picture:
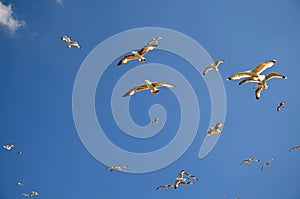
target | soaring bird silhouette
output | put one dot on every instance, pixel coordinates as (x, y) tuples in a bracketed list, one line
[(213, 66), (70, 43), (137, 54)]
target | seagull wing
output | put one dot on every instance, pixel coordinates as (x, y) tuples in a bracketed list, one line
[(145, 49), (74, 43), (239, 75), (210, 67), (248, 79), (159, 84), (275, 75), (218, 62), (126, 58), (263, 66), (136, 89), (258, 91), (65, 38), (218, 125)]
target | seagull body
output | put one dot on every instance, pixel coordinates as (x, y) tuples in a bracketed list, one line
[(154, 121), (213, 66), (255, 72), (268, 163), (70, 43), (295, 148), (179, 179), (249, 161), (214, 130), (9, 147), (19, 152), (263, 84), (154, 40), (280, 106), (20, 184), (152, 86), (137, 54), (119, 168), (166, 187)]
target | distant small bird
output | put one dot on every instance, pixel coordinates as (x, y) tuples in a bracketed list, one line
[(70, 43), (214, 130), (19, 152), (119, 168), (255, 73), (9, 147), (137, 54), (295, 148), (249, 161), (33, 193), (166, 187), (190, 176), (213, 66), (280, 106), (152, 86), (154, 121), (154, 40), (268, 163), (186, 183), (20, 184)]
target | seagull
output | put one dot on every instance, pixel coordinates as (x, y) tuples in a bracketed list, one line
[(249, 161), (166, 187), (152, 86), (69, 42), (119, 168), (263, 79), (213, 66), (186, 183), (20, 184), (214, 130), (179, 179), (137, 54), (190, 176), (154, 40), (255, 73), (19, 152), (9, 147), (154, 121), (33, 193), (295, 148), (268, 163), (280, 106)]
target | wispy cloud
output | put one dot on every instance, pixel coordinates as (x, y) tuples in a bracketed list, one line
[(7, 20), (59, 2)]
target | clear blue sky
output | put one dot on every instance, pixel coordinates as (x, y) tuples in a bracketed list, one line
[(38, 73)]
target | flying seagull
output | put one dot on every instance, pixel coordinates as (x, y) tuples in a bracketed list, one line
[(214, 130), (280, 106), (154, 40), (70, 43), (119, 168), (9, 147), (154, 121), (295, 148), (33, 193), (263, 84), (19, 152), (190, 176), (166, 187), (263, 79), (213, 66), (268, 163), (137, 54), (20, 184), (179, 179), (152, 86), (255, 73), (249, 161)]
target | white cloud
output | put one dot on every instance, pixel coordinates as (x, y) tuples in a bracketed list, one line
[(59, 2), (7, 20)]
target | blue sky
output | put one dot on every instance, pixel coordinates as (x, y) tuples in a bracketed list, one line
[(38, 73)]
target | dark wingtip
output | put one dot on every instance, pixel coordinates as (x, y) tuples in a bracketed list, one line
[(229, 78), (274, 61), (120, 63)]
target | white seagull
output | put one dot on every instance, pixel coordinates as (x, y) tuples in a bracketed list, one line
[(268, 163), (152, 86), (214, 130), (166, 187), (70, 43), (9, 147), (154, 121), (137, 54), (119, 168), (250, 160), (154, 40), (179, 179), (264, 79), (255, 73), (295, 148), (280, 106), (213, 66), (33, 193), (20, 184)]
